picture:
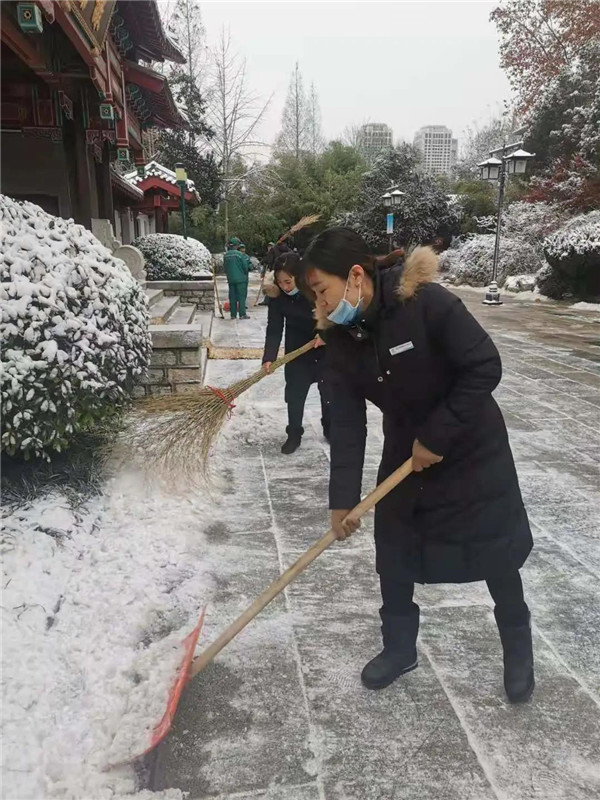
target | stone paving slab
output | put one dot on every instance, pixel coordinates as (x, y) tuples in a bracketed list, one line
[(282, 715), (549, 748)]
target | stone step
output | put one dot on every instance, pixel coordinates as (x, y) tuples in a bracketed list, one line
[(161, 312), (154, 295), (176, 336), (205, 318), (184, 314)]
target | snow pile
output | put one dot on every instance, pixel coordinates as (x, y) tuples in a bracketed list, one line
[(573, 255), (74, 329), (97, 601), (471, 261), (172, 258), (520, 283)]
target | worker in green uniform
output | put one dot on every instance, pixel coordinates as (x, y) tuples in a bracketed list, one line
[(236, 270), (248, 261)]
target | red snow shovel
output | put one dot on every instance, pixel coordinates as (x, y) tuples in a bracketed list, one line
[(191, 668)]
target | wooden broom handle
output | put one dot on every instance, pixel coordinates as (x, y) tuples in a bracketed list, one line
[(262, 281), (292, 572)]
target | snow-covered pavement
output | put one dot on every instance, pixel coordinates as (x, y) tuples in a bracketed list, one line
[(282, 715), (97, 597)]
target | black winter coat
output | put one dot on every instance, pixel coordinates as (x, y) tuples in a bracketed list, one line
[(424, 360), (296, 315)]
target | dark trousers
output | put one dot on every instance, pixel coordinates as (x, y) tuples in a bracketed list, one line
[(507, 593), (238, 292), (298, 380)]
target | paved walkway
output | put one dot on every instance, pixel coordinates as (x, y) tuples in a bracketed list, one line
[(282, 715)]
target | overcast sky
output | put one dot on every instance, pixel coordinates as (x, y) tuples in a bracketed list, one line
[(404, 63)]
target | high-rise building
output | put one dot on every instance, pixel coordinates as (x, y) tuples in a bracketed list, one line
[(375, 137), (438, 148)]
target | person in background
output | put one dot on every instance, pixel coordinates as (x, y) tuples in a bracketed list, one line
[(248, 262), (273, 253), (247, 259), (399, 339), (236, 270), (290, 309)]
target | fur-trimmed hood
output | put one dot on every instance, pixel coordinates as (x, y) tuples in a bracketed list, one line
[(420, 267)]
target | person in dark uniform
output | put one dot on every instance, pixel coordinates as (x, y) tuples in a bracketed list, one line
[(407, 344), (290, 309)]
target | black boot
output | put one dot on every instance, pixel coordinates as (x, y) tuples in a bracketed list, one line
[(399, 654), (519, 679), (293, 441)]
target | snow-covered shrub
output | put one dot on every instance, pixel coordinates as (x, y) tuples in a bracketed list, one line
[(573, 254), (74, 330), (471, 262), (527, 222), (170, 257)]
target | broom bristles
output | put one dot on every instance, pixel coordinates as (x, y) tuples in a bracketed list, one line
[(178, 431), (302, 223)]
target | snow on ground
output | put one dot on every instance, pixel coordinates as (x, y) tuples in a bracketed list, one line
[(587, 306), (97, 601)]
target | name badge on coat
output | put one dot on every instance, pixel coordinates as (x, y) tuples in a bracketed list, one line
[(401, 348)]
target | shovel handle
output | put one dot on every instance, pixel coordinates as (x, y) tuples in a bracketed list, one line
[(278, 585)]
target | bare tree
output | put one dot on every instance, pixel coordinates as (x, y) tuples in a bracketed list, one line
[(186, 27), (294, 135), (234, 112), (353, 135), (480, 138), (316, 142)]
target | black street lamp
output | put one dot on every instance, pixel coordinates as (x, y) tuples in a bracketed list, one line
[(391, 199), (181, 179), (511, 162)]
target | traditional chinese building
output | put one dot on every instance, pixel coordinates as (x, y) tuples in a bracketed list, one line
[(161, 194), (78, 91)]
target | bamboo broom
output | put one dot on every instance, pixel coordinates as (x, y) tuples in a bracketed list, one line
[(302, 223), (178, 431)]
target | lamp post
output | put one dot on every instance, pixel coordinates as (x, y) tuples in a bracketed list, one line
[(513, 161), (181, 178), (391, 199)]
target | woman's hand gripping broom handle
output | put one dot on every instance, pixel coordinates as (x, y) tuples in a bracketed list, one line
[(299, 566)]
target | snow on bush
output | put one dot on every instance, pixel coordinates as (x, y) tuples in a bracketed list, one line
[(527, 222), (573, 255), (170, 257), (74, 330), (471, 261)]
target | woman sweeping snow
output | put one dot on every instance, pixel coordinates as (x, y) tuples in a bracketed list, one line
[(409, 346), (290, 309)]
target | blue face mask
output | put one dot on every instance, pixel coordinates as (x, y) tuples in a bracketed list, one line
[(345, 313), (292, 292)]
